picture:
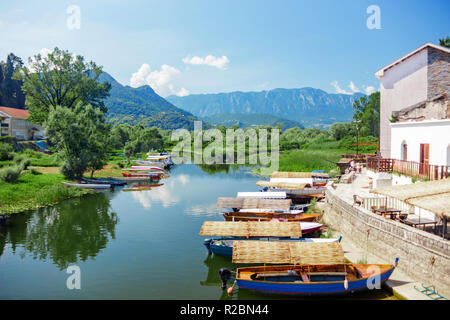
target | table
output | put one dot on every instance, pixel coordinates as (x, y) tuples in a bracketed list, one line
[(392, 212), (416, 221)]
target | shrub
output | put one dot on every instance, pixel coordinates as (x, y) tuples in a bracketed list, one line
[(6, 151), (11, 174), (22, 161), (35, 172)]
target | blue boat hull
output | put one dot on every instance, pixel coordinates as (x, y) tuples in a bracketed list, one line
[(310, 288)]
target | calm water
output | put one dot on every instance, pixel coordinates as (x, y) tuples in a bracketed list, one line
[(128, 245)]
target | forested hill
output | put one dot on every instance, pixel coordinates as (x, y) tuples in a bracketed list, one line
[(248, 120), (309, 106), (143, 106)]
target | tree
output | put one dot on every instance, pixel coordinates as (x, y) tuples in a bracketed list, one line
[(445, 42), (81, 138), (60, 79), (367, 111), (11, 94)]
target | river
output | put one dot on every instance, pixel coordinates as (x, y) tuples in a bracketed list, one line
[(127, 245)]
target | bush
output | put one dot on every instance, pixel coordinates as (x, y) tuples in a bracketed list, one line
[(11, 174), (22, 161), (6, 151), (35, 172)]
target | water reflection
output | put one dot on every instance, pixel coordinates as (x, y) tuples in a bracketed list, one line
[(165, 194), (75, 230)]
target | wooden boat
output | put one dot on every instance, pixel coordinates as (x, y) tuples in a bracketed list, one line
[(313, 279), (87, 185), (144, 168), (149, 175), (267, 216), (224, 246), (104, 181), (312, 269)]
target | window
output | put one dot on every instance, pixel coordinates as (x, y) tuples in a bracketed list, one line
[(404, 151)]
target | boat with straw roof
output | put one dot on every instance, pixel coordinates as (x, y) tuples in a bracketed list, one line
[(302, 269)]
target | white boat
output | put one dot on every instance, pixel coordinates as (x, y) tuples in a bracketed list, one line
[(262, 195), (88, 185)]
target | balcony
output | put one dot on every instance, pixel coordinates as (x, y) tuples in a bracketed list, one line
[(411, 169)]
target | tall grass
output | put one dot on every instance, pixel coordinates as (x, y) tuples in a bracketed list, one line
[(309, 160)]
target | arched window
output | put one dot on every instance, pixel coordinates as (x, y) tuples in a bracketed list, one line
[(404, 152), (448, 155)]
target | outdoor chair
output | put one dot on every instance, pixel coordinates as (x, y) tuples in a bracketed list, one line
[(356, 200)]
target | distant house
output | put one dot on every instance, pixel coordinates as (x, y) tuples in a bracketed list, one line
[(14, 123), (415, 106)]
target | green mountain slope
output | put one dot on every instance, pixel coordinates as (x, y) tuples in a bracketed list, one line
[(143, 106)]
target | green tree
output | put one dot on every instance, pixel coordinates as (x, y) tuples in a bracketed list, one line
[(367, 112), (445, 42), (81, 138), (11, 94), (60, 79)]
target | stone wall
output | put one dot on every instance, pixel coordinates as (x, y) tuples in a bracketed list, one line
[(424, 257), (438, 73)]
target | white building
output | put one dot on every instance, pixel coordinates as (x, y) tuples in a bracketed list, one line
[(415, 106)]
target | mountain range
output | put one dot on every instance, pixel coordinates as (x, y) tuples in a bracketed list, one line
[(249, 120), (305, 107), (311, 107), (143, 106)]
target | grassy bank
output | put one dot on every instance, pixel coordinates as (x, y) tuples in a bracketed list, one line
[(305, 160), (33, 191)]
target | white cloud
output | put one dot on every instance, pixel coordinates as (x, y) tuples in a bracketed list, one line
[(209, 60), (368, 90), (159, 80), (335, 84), (353, 87)]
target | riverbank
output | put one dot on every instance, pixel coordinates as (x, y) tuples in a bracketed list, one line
[(304, 160), (35, 190)]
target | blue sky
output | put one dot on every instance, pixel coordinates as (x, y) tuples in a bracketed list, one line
[(252, 45)]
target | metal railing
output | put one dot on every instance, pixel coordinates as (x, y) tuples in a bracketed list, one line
[(409, 168)]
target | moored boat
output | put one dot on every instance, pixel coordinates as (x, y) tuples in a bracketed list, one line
[(310, 269), (267, 216), (224, 246), (87, 185), (144, 168), (313, 279), (104, 181)]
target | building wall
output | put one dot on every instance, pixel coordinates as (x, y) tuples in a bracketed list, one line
[(438, 73), (424, 257), (434, 132), (401, 86)]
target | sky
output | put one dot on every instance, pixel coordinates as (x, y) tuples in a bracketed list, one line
[(195, 46)]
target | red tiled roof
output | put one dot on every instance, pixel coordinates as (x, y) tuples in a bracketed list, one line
[(15, 113)]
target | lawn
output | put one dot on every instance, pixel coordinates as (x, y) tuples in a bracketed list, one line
[(34, 191)]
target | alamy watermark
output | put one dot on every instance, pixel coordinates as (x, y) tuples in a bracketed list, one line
[(73, 21), (374, 20), (234, 146), (74, 280)]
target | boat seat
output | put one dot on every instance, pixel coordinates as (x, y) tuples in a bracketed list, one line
[(328, 273)]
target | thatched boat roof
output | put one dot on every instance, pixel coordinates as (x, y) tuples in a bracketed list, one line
[(283, 185), (281, 174), (437, 203), (287, 252), (251, 229), (433, 196), (251, 203)]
